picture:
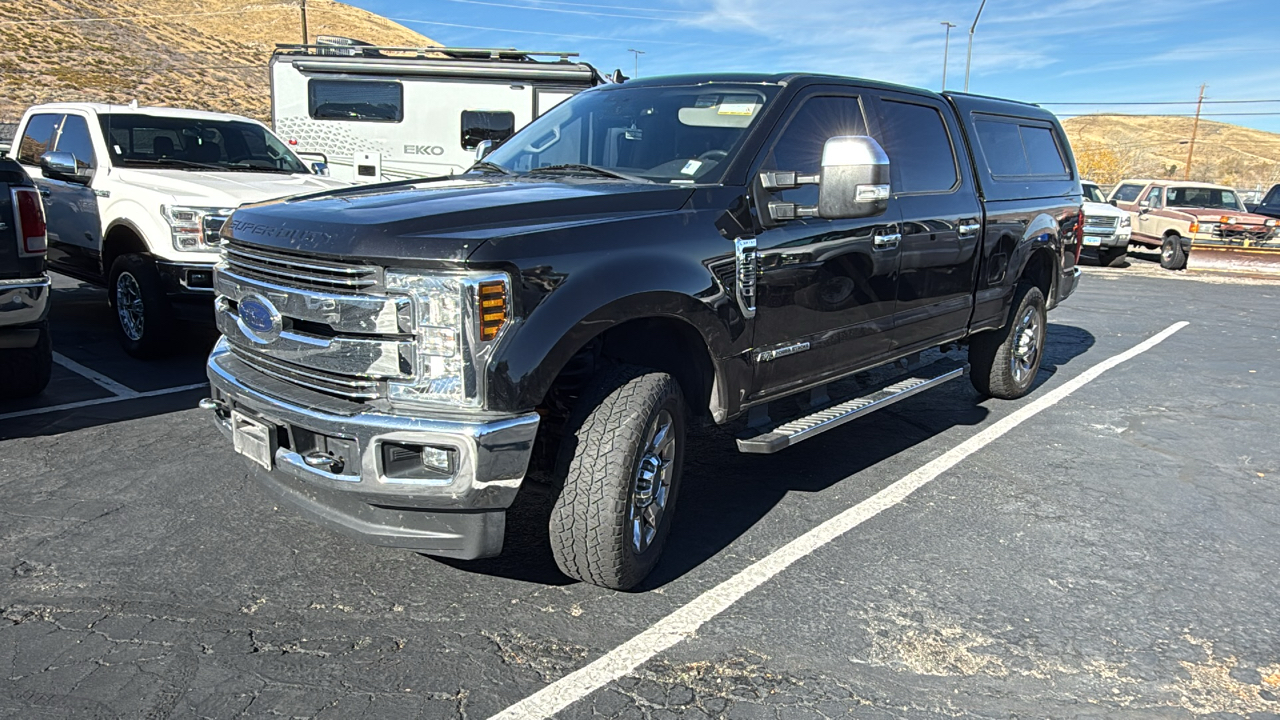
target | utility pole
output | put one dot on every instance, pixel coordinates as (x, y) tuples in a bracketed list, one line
[(969, 56), (946, 47), (1195, 128), (638, 53), (305, 35)]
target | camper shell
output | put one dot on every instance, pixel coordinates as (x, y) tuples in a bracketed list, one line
[(374, 113)]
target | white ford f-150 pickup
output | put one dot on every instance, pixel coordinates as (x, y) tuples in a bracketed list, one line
[(136, 198)]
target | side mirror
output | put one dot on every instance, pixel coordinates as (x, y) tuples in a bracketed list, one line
[(1113, 203), (64, 166), (320, 168), (1144, 206), (484, 147), (853, 182)]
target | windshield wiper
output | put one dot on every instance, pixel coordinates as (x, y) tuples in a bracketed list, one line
[(490, 166), (592, 169)]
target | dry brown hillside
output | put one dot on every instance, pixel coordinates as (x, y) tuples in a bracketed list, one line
[(207, 54), (1111, 147)]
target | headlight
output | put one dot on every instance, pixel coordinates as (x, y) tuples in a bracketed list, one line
[(1126, 221), (195, 229), (457, 320)]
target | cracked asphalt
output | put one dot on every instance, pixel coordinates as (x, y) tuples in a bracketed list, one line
[(1117, 555)]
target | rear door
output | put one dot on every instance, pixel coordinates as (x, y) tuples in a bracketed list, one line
[(941, 219), (826, 288)]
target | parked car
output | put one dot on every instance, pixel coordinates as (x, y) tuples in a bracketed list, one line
[(26, 353), (397, 359), (1107, 228), (1172, 214), (1270, 203), (136, 196)]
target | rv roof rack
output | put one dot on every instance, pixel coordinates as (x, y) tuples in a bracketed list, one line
[(391, 52)]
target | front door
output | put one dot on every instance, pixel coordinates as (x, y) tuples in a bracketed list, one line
[(1148, 219), (71, 209), (941, 220), (826, 288)]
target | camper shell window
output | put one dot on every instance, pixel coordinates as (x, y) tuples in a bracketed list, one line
[(480, 125), (359, 100)]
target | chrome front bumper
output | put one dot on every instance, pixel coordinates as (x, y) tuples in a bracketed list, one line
[(461, 516), (24, 301)]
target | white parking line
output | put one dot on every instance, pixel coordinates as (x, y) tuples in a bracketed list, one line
[(684, 622), (98, 378), (101, 401)]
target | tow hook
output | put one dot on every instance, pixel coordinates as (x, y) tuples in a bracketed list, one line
[(327, 463), (211, 404)]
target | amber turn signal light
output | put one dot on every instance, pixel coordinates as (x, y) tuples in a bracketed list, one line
[(493, 308)]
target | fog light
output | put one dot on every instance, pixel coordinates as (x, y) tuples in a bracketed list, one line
[(438, 459), (418, 463)]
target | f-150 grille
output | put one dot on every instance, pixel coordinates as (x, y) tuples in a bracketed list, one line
[(1100, 222), (296, 270), (345, 386)]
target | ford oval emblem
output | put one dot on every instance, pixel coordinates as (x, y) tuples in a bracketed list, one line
[(260, 318)]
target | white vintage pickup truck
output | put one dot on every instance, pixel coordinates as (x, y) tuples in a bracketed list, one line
[(136, 197)]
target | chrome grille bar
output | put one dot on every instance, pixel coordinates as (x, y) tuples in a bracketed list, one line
[(1101, 222), (299, 271), (329, 383)]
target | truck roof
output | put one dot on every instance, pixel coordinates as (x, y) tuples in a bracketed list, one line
[(1187, 183), (107, 109)]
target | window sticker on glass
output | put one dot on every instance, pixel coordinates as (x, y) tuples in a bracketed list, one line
[(691, 167), (736, 108)]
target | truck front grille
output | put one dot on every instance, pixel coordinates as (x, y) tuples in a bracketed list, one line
[(1100, 222), (344, 386), (300, 271)]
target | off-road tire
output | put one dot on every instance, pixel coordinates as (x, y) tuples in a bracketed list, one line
[(156, 336), (1172, 256), (25, 372), (1113, 257), (591, 538), (991, 353)]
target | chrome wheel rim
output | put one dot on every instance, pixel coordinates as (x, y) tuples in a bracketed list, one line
[(651, 485), (1167, 253), (1027, 336), (129, 306)]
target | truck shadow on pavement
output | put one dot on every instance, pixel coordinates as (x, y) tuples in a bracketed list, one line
[(726, 494)]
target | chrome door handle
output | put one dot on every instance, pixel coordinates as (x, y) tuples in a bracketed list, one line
[(968, 229), (887, 242)]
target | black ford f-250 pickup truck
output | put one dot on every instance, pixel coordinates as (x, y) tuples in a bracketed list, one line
[(26, 355), (398, 358)]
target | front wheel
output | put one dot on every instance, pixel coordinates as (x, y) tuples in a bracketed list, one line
[(1172, 256), (623, 455), (144, 316), (1003, 363)]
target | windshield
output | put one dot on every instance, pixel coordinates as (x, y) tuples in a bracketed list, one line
[(659, 134), (1092, 193), (1205, 198), (196, 144)]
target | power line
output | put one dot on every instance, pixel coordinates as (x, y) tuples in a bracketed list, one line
[(50, 21), (1164, 102), (560, 10), (1180, 115)]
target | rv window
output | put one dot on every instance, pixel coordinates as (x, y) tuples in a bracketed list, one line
[(479, 125), (363, 100)]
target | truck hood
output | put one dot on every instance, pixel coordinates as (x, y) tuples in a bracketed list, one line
[(223, 189), (442, 218), (1242, 218), (1095, 209)]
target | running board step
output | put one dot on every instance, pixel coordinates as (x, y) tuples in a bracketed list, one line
[(793, 431)]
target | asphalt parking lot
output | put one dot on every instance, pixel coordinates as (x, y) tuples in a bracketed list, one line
[(1114, 554)]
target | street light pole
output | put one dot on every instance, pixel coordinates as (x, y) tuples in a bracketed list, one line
[(638, 53), (969, 56), (946, 47)]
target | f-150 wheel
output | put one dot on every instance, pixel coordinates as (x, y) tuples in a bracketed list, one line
[(1003, 363), (24, 372), (623, 457), (144, 316), (1172, 256)]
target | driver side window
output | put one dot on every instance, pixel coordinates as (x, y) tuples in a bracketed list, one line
[(799, 148), (1155, 198)]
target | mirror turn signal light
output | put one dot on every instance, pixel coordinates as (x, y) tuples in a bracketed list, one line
[(493, 308)]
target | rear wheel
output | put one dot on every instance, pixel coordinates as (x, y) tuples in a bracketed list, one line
[(1172, 256), (144, 316), (25, 372), (1113, 257), (1003, 363), (622, 460)]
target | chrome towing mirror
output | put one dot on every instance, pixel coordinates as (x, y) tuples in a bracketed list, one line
[(853, 182)]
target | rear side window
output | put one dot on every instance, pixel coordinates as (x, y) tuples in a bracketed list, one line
[(37, 138), (360, 100), (75, 139), (1127, 193), (480, 125), (1021, 149), (917, 143)]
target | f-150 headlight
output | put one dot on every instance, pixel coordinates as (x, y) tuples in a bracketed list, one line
[(1126, 221), (457, 319), (195, 229)]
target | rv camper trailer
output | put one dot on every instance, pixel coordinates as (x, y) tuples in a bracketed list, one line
[(384, 113)]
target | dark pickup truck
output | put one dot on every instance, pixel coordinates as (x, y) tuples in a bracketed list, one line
[(26, 355), (731, 249)]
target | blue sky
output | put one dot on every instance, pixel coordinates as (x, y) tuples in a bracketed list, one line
[(1047, 51)]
